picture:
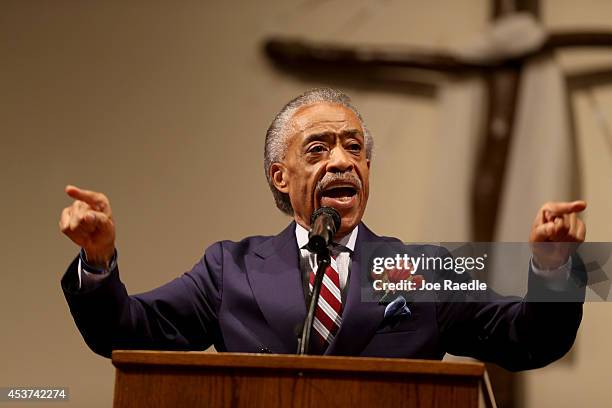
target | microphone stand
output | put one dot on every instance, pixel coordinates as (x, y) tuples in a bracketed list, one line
[(323, 261)]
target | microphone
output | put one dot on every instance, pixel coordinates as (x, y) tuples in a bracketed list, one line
[(324, 223)]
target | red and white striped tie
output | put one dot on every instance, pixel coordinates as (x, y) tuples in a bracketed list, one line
[(328, 314)]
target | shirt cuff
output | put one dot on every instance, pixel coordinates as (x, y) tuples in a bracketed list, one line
[(89, 275), (556, 279)]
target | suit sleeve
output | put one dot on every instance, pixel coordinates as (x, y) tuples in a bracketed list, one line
[(180, 315), (515, 333)]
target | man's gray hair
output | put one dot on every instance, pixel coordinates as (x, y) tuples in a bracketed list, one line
[(277, 136)]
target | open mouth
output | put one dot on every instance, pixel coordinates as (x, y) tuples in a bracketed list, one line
[(341, 196)]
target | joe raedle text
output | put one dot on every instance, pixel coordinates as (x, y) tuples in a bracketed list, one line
[(414, 285)]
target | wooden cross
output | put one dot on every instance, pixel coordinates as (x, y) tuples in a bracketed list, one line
[(501, 78)]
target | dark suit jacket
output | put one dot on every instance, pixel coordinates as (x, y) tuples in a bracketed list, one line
[(247, 296)]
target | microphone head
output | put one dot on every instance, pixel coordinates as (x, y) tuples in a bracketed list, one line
[(329, 211), (324, 223)]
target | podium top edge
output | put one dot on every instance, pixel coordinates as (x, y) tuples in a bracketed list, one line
[(206, 360)]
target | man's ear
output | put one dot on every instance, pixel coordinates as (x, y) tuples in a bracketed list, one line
[(279, 177)]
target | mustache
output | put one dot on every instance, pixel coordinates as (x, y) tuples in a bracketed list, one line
[(330, 178)]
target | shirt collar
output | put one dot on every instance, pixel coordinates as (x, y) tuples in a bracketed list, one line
[(348, 241)]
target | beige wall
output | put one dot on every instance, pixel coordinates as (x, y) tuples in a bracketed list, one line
[(163, 106)]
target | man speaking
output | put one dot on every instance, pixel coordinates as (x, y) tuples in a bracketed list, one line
[(250, 296)]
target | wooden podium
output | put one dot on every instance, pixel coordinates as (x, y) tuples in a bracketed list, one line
[(198, 379)]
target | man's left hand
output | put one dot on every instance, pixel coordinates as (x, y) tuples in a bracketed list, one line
[(557, 222)]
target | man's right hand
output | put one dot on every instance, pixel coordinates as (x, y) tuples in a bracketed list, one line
[(88, 222)]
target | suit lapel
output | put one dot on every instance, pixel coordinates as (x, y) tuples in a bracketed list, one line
[(359, 319), (275, 278)]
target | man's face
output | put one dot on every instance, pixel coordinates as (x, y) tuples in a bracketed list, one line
[(325, 165)]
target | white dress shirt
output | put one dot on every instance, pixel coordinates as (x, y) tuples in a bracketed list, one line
[(308, 260)]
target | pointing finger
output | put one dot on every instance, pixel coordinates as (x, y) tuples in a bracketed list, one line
[(553, 209), (97, 201), (88, 196)]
